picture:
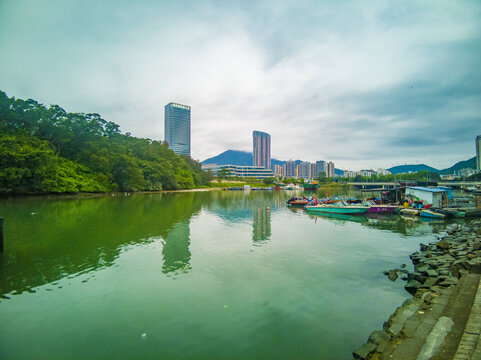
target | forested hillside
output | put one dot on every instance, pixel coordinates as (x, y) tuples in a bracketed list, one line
[(47, 150)]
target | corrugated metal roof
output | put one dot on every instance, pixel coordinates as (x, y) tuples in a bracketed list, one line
[(422, 188)]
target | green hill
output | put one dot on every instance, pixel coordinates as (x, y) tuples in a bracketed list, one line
[(47, 150), (470, 163)]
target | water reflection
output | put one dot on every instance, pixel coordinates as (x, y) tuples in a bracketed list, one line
[(48, 239), (390, 222), (261, 225), (176, 251)]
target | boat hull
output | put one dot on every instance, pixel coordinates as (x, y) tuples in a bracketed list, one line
[(432, 214), (337, 209), (298, 203), (381, 209)]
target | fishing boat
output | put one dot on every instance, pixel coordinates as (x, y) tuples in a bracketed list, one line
[(338, 208), (311, 186)]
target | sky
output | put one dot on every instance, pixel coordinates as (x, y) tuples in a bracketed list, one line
[(365, 84)]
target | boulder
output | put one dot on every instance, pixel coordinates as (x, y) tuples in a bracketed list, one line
[(448, 282), (412, 286), (430, 282), (444, 245), (423, 247), (431, 273), (392, 275), (474, 266), (454, 271), (364, 351), (377, 336)]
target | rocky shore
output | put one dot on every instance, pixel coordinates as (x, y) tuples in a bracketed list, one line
[(443, 318)]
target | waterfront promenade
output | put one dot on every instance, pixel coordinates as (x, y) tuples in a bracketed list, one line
[(443, 319)]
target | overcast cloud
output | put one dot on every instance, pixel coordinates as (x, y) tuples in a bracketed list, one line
[(361, 83)]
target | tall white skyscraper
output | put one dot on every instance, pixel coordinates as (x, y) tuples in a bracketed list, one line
[(177, 128)]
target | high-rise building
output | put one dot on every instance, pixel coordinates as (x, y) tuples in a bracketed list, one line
[(177, 128), (303, 170), (261, 153), (330, 169), (313, 171), (478, 152), (290, 169), (279, 171), (320, 167)]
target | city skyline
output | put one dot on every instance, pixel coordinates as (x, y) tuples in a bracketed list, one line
[(367, 84)]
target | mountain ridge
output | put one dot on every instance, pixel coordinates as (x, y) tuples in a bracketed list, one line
[(244, 158)]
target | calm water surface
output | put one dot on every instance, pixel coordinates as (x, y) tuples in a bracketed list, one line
[(211, 275)]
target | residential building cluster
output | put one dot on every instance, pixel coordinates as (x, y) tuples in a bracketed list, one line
[(366, 173), (305, 169)]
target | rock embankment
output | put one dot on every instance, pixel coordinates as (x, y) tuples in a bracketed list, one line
[(444, 285)]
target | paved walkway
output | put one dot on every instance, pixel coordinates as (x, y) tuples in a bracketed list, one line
[(440, 324)]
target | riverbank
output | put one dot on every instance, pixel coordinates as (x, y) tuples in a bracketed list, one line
[(442, 319)]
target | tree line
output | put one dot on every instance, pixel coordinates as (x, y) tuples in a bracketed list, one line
[(48, 150)]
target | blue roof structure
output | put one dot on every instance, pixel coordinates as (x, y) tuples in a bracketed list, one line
[(433, 190)]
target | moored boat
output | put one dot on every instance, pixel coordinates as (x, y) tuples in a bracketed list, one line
[(432, 214), (375, 208), (337, 209), (311, 186), (297, 202)]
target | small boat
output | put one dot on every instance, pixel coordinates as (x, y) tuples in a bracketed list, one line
[(342, 217), (375, 208), (432, 214), (293, 187), (410, 211), (340, 208), (297, 202)]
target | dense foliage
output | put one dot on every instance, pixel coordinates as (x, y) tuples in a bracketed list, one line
[(47, 150)]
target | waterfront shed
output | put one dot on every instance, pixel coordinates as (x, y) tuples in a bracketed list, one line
[(431, 196)]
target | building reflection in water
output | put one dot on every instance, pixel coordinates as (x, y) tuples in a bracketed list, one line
[(261, 227), (176, 253)]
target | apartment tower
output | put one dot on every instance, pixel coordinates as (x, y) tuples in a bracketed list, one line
[(261, 153)]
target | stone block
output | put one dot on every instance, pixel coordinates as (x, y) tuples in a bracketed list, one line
[(364, 351), (377, 336)]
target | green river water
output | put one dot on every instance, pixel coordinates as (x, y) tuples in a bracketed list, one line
[(199, 275)]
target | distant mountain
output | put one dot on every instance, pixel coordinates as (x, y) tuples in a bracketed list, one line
[(236, 157), (399, 169), (231, 157), (470, 163), (244, 158)]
